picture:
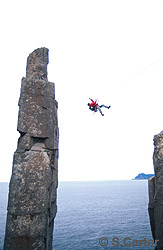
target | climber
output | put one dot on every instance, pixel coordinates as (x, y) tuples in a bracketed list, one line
[(94, 106)]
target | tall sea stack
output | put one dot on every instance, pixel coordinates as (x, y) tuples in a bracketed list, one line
[(155, 188), (32, 190)]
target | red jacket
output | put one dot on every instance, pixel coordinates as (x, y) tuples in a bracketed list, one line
[(93, 103)]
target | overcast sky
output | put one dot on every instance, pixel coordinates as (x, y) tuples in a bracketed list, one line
[(110, 50)]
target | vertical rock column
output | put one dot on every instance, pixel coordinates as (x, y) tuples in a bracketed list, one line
[(155, 188), (32, 190)]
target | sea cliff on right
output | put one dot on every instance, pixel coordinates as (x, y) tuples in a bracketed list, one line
[(155, 190)]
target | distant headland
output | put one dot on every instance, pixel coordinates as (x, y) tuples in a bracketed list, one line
[(143, 176)]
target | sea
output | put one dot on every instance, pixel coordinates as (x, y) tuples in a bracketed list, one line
[(97, 215)]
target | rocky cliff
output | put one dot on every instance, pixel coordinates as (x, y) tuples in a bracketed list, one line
[(32, 190), (155, 187)]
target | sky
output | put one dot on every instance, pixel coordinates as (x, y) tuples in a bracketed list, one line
[(109, 50)]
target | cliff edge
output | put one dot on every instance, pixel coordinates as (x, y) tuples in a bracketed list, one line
[(34, 180), (155, 188)]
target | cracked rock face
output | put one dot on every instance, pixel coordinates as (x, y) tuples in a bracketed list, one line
[(33, 185), (155, 188)]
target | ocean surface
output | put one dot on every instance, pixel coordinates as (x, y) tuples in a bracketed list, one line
[(97, 215)]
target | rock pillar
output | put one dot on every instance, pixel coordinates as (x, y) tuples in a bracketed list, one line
[(32, 190), (155, 188)]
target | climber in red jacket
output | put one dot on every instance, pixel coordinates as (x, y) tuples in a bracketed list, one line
[(94, 106)]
